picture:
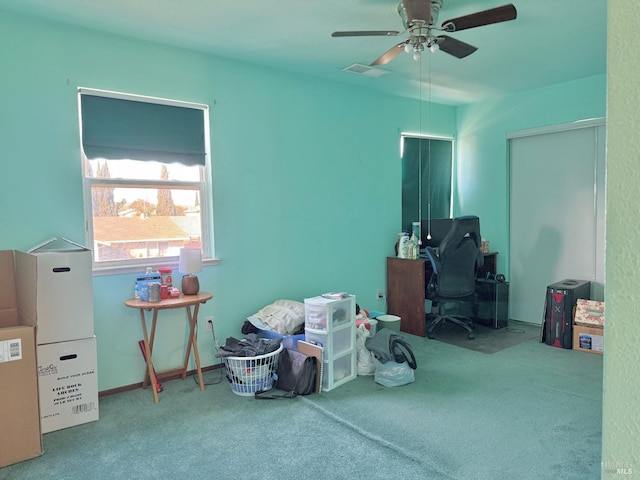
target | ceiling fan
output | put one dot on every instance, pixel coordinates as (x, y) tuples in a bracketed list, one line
[(419, 18)]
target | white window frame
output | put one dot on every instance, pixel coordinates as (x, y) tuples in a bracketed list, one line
[(425, 213), (205, 188)]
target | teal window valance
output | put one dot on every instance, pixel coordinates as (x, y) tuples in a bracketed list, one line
[(117, 129)]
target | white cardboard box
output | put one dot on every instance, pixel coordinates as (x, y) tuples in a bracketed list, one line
[(68, 383), (55, 290)]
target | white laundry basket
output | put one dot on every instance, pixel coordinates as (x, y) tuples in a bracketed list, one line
[(248, 375)]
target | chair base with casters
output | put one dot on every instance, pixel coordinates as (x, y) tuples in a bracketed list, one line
[(442, 317)]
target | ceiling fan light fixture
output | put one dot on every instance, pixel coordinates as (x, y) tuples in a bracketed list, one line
[(434, 47), (418, 48)]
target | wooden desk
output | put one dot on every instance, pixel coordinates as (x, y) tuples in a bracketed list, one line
[(191, 303), (406, 290), (405, 293)]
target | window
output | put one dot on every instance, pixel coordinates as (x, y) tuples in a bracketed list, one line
[(427, 166), (146, 171)]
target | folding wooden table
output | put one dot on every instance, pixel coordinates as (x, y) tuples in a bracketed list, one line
[(191, 303)]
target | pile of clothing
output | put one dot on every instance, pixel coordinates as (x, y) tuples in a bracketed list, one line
[(250, 346)]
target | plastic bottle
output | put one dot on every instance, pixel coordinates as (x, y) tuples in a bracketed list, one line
[(415, 228), (143, 282), (403, 245), (413, 246)]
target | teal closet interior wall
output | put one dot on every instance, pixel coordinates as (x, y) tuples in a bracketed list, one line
[(306, 176), (481, 179)]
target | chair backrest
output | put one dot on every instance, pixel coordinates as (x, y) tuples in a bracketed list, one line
[(459, 257), (438, 228)]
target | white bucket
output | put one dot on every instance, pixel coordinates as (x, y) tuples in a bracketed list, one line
[(391, 322)]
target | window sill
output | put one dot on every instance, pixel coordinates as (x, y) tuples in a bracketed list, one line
[(124, 269)]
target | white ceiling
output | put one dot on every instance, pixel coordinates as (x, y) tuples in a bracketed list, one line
[(551, 41)]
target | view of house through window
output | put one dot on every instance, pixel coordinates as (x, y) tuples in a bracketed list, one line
[(140, 221), (141, 206)]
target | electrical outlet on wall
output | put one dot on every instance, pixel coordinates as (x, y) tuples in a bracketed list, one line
[(209, 327), (380, 294)]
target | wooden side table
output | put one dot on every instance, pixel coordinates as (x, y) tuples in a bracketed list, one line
[(191, 303)]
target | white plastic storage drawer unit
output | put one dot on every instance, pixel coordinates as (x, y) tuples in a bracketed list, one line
[(331, 323), (341, 339)]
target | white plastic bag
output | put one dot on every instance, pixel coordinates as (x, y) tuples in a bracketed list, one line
[(364, 356), (393, 374)]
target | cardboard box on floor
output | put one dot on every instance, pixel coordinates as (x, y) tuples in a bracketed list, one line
[(21, 438), (68, 380), (588, 339), (55, 290)]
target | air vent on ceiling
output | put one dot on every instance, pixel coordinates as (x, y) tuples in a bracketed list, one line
[(366, 70)]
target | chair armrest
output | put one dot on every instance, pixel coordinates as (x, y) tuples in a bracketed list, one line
[(432, 255), (430, 286)]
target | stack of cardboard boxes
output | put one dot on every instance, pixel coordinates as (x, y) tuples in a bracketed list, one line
[(48, 355), (55, 289)]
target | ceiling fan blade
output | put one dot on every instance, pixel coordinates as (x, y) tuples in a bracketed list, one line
[(367, 33), (390, 54), (478, 19), (455, 47)]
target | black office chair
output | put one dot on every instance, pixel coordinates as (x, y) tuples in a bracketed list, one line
[(454, 263)]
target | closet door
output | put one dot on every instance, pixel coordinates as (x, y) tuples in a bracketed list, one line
[(556, 214)]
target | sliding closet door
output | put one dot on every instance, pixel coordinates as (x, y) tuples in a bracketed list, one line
[(556, 214)]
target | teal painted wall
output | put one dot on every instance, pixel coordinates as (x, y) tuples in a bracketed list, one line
[(482, 173), (306, 173), (306, 176)]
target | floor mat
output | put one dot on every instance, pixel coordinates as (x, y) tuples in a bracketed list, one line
[(488, 340)]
